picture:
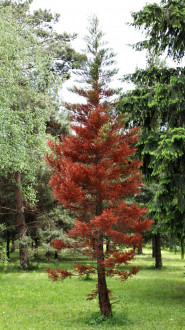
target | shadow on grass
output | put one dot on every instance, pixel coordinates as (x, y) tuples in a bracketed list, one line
[(160, 291), (40, 263)]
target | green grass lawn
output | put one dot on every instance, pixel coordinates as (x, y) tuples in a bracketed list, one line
[(153, 299)]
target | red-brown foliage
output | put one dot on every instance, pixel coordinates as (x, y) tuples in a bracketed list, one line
[(84, 270), (57, 274), (58, 244), (96, 175)]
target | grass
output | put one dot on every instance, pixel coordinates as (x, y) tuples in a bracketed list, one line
[(153, 299)]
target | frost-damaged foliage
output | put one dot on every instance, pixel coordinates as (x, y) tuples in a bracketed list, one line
[(61, 274), (58, 274), (96, 176)]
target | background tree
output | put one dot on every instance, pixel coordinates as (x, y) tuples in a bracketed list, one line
[(163, 25), (164, 99), (42, 22), (143, 109), (46, 219), (22, 121), (29, 77), (95, 175)]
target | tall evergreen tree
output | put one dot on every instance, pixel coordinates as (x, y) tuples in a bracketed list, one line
[(144, 110), (163, 26), (94, 175)]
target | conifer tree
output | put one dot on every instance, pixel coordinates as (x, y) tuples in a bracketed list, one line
[(163, 26), (95, 175), (145, 109)]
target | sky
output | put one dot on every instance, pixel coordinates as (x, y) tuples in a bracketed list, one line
[(113, 16)]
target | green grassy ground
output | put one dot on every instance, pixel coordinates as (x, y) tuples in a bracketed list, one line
[(153, 299)]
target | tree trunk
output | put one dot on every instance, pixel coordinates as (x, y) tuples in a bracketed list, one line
[(48, 256), (107, 245), (103, 294), (153, 247), (140, 250), (8, 244), (13, 246), (158, 257), (56, 255), (171, 242), (182, 247), (21, 224), (36, 245)]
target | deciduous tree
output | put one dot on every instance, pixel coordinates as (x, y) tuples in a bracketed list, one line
[(35, 59)]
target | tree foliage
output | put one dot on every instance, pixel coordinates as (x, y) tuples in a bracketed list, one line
[(42, 22), (164, 27)]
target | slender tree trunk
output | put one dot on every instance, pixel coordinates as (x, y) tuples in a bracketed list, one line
[(107, 245), (56, 255), (158, 257), (48, 256), (36, 245), (36, 240), (182, 247), (13, 246), (153, 247), (8, 244), (21, 224), (140, 250), (171, 243), (103, 294)]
